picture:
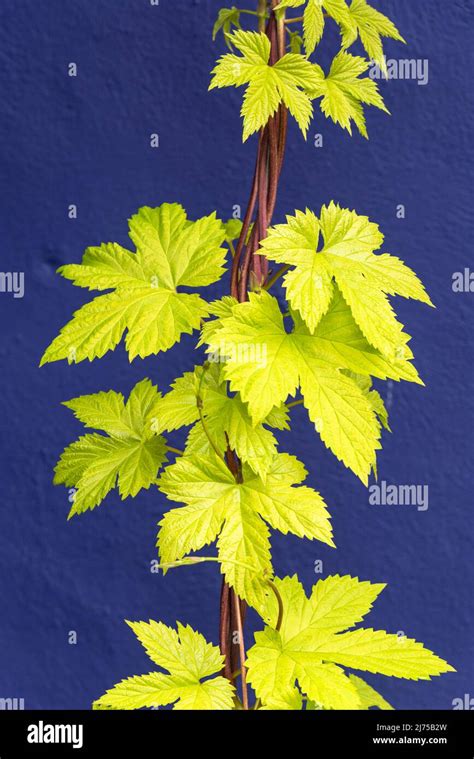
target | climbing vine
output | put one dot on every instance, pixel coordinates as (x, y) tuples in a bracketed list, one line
[(336, 332)]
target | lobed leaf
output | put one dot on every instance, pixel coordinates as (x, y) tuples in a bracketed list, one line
[(130, 456), (237, 514), (171, 252), (308, 649), (188, 658), (342, 413), (287, 81), (345, 260)]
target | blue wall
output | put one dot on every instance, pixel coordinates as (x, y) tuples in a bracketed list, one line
[(85, 141)]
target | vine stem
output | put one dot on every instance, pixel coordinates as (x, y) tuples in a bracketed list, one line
[(262, 14), (295, 20), (206, 431), (279, 599), (224, 627), (188, 561), (243, 669), (294, 403), (279, 621), (298, 19), (234, 284), (250, 269), (276, 276), (171, 449)]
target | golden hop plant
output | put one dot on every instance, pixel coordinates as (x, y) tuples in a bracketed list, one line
[(233, 485)]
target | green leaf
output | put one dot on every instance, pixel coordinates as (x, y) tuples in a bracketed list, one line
[(226, 19), (179, 407), (188, 658), (369, 698), (313, 24), (220, 308), (378, 652), (379, 407), (341, 602), (337, 9), (346, 257), (341, 412), (268, 86), (130, 456), (237, 513), (357, 20), (373, 396), (289, 4), (290, 701), (202, 441), (370, 25), (171, 252), (343, 93), (313, 18), (296, 42), (177, 251), (227, 422), (233, 228), (310, 645)]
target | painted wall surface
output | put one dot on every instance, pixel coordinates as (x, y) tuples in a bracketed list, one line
[(144, 69)]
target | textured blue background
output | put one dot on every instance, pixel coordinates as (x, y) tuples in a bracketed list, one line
[(85, 140)]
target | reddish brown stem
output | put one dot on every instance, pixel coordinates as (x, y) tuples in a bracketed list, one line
[(274, 166), (234, 285), (224, 628), (234, 634), (247, 264), (249, 267), (240, 633), (258, 264)]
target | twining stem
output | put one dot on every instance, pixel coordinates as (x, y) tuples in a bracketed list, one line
[(199, 404), (294, 20), (280, 22), (279, 622), (206, 431), (234, 283), (270, 282), (178, 451), (262, 14), (280, 604), (250, 270), (233, 463), (224, 629), (243, 669), (298, 19), (191, 560), (295, 403)]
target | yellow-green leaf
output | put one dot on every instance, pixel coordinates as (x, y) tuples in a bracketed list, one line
[(237, 513), (188, 658), (145, 304), (130, 456)]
